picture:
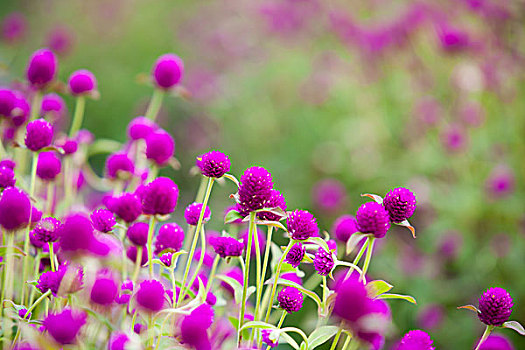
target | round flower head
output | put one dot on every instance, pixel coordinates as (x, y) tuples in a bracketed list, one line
[(160, 197), (495, 306), (70, 146), (416, 340), (226, 246), (39, 134), (14, 27), (8, 163), (76, 235), (213, 164), (118, 341), (131, 253), (323, 262), (48, 166), (54, 105), (296, 254), (351, 302), (7, 102), (60, 40), (82, 82), (138, 233), (127, 206), (65, 325), (290, 299), (103, 220), (276, 201), (193, 212), (344, 227), (7, 177), (194, 327), (262, 241), (46, 230), (104, 290), (329, 195), (21, 111), (42, 68), (255, 190), (119, 165), (167, 259), (167, 71), (160, 147), (266, 338), (15, 209), (496, 342), (372, 218), (454, 138), (170, 237), (430, 317), (400, 204), (49, 280), (150, 296), (301, 225), (139, 328), (140, 128), (501, 182), (23, 312)]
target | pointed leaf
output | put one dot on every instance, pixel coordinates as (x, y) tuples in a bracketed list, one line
[(409, 226), (375, 197), (378, 287), (237, 287), (277, 224), (232, 216), (408, 298), (233, 179), (320, 335), (354, 240), (319, 241), (469, 307), (515, 325)]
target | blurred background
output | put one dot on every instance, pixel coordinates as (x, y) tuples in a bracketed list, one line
[(335, 98)]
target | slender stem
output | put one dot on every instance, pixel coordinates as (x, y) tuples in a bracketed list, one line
[(35, 304), (212, 273), (78, 116), (52, 256), (485, 335), (38, 258), (133, 319), (266, 256), (277, 273), (354, 345), (7, 280), (368, 257), (201, 191), (154, 104), (357, 258), (150, 245), (336, 339), (36, 105), (195, 239), (138, 261), (246, 277), (325, 294), (199, 264), (49, 197), (257, 279), (173, 287), (281, 321), (122, 236)]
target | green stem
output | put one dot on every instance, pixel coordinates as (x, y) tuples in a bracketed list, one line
[(336, 339), (195, 239), (52, 256), (133, 320), (36, 105), (485, 335), (173, 287), (357, 258), (7, 280), (281, 321), (212, 273), (138, 261), (325, 294), (257, 278), (154, 104), (35, 273), (246, 277), (199, 264), (35, 304), (49, 198), (354, 345), (78, 116), (150, 245), (368, 257)]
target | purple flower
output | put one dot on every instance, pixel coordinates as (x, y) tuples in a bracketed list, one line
[(21, 111), (60, 40), (150, 296), (140, 128), (39, 134), (49, 280), (160, 147), (213, 164), (15, 209), (452, 39), (194, 327), (7, 177), (160, 197), (344, 227), (266, 338), (262, 241), (416, 340), (495, 306), (14, 27), (301, 225), (351, 302), (82, 82), (131, 253), (170, 237), (296, 254), (7, 102), (46, 230), (292, 276), (501, 182), (77, 236), (374, 334), (496, 342), (127, 206), (65, 325), (138, 233), (139, 328), (8, 163), (167, 71), (255, 190), (53, 105), (454, 138), (329, 195), (193, 212), (323, 262), (23, 312), (48, 166), (103, 220), (104, 290), (372, 218), (236, 274), (167, 259), (276, 201), (400, 204), (42, 68), (290, 299), (119, 165), (430, 317), (226, 246), (118, 341)]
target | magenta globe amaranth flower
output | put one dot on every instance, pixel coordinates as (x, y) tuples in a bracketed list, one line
[(7, 177), (69, 146), (60, 40), (329, 195), (137, 233), (39, 134), (495, 306), (127, 206), (255, 189), (48, 166), (323, 262), (160, 147), (118, 341), (296, 254), (150, 296), (15, 209), (496, 342), (8, 163), (501, 182), (400, 204), (119, 165), (301, 225), (344, 227), (7, 102), (167, 259), (42, 68), (82, 82), (416, 340), (276, 201), (290, 299), (53, 106), (372, 218), (77, 236), (140, 128), (213, 164), (21, 112), (160, 197), (266, 338), (104, 290), (14, 27), (170, 237), (103, 220), (226, 246), (194, 327), (132, 252), (351, 302), (193, 212), (65, 325), (46, 230), (168, 71)]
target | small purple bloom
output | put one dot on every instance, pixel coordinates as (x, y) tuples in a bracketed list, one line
[(103, 220), (214, 164), (7, 102), (193, 212), (255, 190), (119, 165), (416, 340), (296, 254), (167, 259), (15, 209), (14, 27), (131, 253), (276, 201), (137, 233), (351, 302), (42, 68), (65, 325), (372, 218), (501, 182), (495, 306), (127, 206), (160, 197), (226, 246), (82, 82), (23, 312), (8, 163), (46, 230), (48, 166), (400, 204), (170, 237), (454, 138), (290, 299), (266, 338), (167, 71), (140, 128), (323, 262), (496, 342), (60, 40), (77, 236), (329, 195), (53, 105), (104, 290), (430, 317), (7, 177), (301, 225), (344, 227), (118, 341), (160, 147), (150, 295), (39, 134)]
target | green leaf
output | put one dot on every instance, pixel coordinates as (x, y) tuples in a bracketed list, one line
[(354, 240), (469, 307), (319, 241), (375, 288), (237, 287), (103, 146), (100, 318), (408, 298), (232, 216), (16, 251), (257, 324), (515, 326), (276, 224), (375, 197), (409, 226), (321, 335), (309, 293), (233, 179)]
